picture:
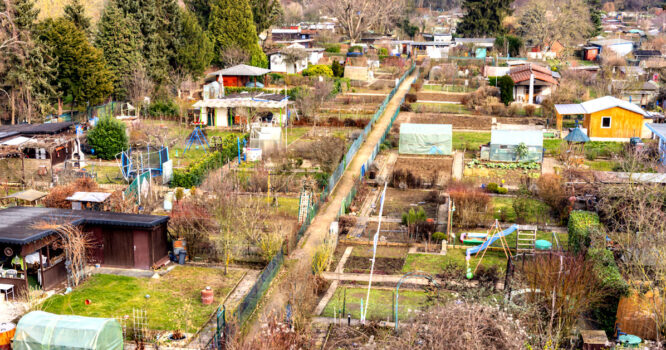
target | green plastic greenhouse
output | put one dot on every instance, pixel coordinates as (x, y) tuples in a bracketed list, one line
[(426, 139), (43, 330)]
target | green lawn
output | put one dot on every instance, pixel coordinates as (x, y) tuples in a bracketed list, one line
[(381, 303), (420, 107), (447, 88), (174, 302), (539, 213), (601, 165), (436, 264), (592, 149), (107, 174), (287, 205), (294, 133), (469, 140)]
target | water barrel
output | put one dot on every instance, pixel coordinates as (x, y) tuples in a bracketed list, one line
[(181, 257), (207, 296), (542, 245)]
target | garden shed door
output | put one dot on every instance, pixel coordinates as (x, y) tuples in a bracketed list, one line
[(141, 250)]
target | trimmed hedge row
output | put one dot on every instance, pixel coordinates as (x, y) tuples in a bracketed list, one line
[(581, 223), (195, 173), (612, 283)]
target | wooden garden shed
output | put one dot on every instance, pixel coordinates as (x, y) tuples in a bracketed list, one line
[(606, 118)]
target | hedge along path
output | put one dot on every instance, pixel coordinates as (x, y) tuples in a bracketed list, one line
[(277, 297)]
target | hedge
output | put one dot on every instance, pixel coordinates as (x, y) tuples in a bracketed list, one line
[(195, 173), (580, 225), (611, 282)]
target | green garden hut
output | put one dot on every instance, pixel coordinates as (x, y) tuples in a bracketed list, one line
[(43, 330), (504, 145), (433, 139)]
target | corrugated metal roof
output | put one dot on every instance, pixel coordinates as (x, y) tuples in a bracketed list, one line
[(571, 108), (516, 137), (96, 197), (15, 141), (608, 42), (606, 102), (426, 129), (598, 104), (658, 129)]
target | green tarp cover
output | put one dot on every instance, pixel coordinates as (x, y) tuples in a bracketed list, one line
[(43, 330), (426, 139)]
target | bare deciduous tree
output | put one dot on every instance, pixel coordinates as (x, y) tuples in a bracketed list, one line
[(234, 55), (138, 86), (357, 16)]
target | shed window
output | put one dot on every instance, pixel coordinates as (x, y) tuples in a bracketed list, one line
[(605, 122)]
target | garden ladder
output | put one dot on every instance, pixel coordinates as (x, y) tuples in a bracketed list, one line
[(526, 238)]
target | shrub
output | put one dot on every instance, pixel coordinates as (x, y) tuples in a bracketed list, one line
[(492, 187), (581, 224), (439, 236), (108, 138), (332, 48), (471, 203), (195, 173), (355, 48), (383, 51), (523, 208), (502, 190), (337, 69), (513, 110), (530, 110), (163, 109), (318, 70), (550, 188), (611, 282)]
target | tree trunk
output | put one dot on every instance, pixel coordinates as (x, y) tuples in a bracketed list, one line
[(13, 107)]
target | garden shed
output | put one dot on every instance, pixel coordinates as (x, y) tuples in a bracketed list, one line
[(43, 330), (426, 139), (505, 145)]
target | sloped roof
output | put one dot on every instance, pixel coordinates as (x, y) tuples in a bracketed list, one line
[(242, 70), (516, 137), (27, 195), (609, 42), (35, 129), (577, 135), (96, 197), (522, 73), (598, 104)]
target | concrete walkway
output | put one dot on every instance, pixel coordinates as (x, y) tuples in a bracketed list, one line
[(277, 297), (458, 166)]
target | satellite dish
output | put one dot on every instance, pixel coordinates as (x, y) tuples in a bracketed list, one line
[(8, 251)]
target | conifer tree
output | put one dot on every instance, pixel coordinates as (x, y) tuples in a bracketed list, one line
[(81, 70), (483, 18), (231, 25), (120, 40), (194, 50), (75, 13)]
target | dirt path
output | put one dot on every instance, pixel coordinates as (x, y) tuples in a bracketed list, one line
[(276, 299), (548, 165), (458, 166), (364, 277)]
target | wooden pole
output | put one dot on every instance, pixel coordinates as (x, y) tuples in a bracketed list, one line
[(41, 267)]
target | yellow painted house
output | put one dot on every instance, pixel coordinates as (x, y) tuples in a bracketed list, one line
[(607, 118)]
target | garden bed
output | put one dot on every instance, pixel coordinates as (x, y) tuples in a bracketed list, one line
[(381, 301), (171, 302), (422, 171), (399, 201), (511, 174)]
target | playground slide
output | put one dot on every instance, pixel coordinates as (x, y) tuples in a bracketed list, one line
[(491, 240)]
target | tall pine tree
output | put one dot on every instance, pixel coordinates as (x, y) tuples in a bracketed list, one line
[(122, 44), (483, 18), (194, 50), (81, 70), (231, 25), (76, 14), (266, 13)]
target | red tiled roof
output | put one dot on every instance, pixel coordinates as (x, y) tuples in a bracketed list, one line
[(523, 72)]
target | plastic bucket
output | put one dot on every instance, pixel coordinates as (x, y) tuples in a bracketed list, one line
[(181, 257)]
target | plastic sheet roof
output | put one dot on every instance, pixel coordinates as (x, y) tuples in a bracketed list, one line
[(96, 197), (598, 104), (577, 135), (242, 70), (27, 195), (658, 129), (516, 137), (245, 100)]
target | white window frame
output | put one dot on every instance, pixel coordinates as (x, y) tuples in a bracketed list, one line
[(610, 119)]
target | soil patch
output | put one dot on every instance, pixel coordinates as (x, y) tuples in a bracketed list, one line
[(399, 201), (460, 121), (440, 96), (383, 266), (421, 172)]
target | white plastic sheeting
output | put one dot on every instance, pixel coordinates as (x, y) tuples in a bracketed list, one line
[(426, 139)]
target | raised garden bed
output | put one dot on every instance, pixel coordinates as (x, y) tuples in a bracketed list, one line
[(422, 171)]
